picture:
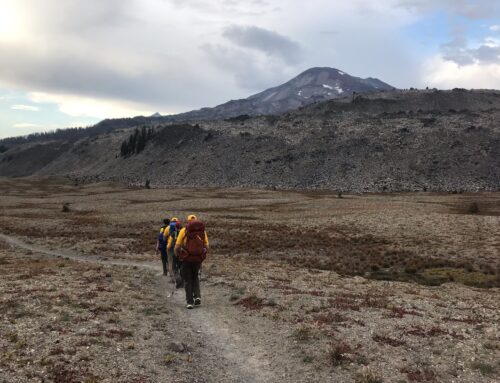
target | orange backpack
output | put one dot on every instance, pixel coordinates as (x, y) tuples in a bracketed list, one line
[(194, 250)]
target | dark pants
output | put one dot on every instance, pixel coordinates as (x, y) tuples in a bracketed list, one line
[(164, 260), (189, 272), (176, 263), (176, 268)]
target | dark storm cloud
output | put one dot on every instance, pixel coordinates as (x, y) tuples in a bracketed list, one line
[(269, 42)]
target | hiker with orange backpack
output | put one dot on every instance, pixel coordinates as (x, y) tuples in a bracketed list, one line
[(192, 248), (175, 264), (161, 245)]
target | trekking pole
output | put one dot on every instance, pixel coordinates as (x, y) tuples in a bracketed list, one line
[(172, 276), (173, 289)]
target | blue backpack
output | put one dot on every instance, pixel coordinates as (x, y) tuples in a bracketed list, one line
[(173, 230)]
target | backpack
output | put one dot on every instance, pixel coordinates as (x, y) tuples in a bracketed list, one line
[(194, 250), (173, 230)]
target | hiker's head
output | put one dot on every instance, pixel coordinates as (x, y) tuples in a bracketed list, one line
[(192, 217), (166, 221), (174, 219)]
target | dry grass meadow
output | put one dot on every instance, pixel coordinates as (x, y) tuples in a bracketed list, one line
[(313, 287)]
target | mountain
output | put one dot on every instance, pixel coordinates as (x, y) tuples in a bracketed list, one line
[(385, 141), (313, 85)]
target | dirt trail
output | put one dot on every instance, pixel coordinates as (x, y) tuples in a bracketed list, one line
[(229, 346), (14, 241)]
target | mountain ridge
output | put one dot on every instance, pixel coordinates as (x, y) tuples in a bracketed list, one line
[(315, 84), (386, 141), (327, 79)]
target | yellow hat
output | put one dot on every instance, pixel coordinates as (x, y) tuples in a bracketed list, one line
[(192, 217), (174, 219)]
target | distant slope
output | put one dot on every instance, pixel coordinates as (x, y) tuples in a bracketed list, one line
[(389, 141)]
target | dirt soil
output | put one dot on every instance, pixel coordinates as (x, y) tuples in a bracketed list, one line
[(299, 286)]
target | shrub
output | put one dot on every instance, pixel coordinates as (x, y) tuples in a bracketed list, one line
[(338, 353), (473, 208), (416, 375), (367, 376), (302, 334), (307, 359), (387, 340), (65, 208), (483, 368), (252, 302)]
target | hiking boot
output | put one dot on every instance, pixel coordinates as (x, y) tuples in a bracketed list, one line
[(197, 301), (189, 306)]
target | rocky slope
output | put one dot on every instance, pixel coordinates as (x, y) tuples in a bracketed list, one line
[(389, 141)]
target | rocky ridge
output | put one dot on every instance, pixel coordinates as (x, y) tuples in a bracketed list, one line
[(389, 141)]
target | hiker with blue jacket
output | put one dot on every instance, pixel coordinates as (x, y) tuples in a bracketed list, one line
[(171, 233), (161, 245)]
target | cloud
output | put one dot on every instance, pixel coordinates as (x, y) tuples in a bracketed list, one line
[(471, 9), (253, 71), (253, 58), (327, 32), (78, 17), (27, 125), (115, 52), (441, 73), (269, 42), (494, 28), (227, 7), (457, 50), (29, 108), (77, 106)]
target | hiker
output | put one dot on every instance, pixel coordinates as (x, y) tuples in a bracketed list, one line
[(192, 248), (161, 245), (172, 233)]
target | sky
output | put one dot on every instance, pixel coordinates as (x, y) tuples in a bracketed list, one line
[(66, 63)]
